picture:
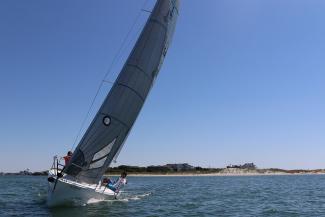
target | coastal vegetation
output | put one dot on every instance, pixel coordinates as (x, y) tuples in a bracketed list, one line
[(186, 169), (166, 169)]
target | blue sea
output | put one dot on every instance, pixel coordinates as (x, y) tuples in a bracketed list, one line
[(292, 195)]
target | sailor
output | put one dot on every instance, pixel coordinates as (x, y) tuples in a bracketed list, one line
[(118, 184), (67, 157)]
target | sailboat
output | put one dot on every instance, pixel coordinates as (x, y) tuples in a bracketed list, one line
[(80, 180)]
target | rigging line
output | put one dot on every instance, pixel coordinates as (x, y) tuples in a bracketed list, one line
[(107, 73), (124, 41), (130, 41)]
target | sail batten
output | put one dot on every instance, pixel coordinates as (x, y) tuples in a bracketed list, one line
[(124, 101)]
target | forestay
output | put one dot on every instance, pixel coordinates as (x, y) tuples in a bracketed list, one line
[(112, 123)]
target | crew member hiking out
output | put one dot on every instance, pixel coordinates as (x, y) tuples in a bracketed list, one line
[(116, 185)]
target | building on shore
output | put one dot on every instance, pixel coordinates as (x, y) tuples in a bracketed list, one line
[(26, 172), (244, 166)]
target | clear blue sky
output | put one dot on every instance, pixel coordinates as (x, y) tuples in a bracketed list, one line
[(242, 82)]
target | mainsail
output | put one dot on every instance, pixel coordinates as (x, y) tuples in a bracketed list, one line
[(112, 123)]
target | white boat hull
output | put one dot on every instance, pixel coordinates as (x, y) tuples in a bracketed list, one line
[(67, 192)]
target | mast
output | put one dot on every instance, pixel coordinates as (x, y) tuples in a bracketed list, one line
[(107, 132)]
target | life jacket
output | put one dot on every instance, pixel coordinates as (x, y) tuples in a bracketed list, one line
[(66, 159), (117, 185)]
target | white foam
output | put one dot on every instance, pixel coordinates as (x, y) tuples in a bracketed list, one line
[(94, 200)]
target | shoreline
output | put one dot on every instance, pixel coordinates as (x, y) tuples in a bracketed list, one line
[(214, 174), (222, 172)]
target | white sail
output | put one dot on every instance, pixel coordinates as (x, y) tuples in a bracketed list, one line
[(111, 125)]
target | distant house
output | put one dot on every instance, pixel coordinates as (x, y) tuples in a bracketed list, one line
[(248, 166), (25, 172), (244, 166), (234, 166), (180, 167)]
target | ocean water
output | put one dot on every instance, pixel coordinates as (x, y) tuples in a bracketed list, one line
[(292, 195)]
